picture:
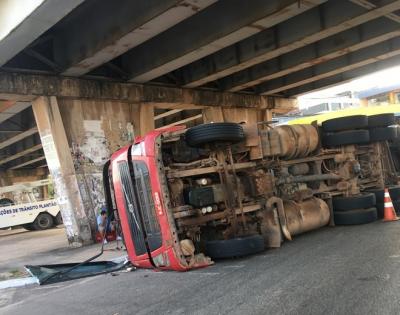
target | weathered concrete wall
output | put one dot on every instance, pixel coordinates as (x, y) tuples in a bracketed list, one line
[(96, 129), (24, 87), (238, 115)]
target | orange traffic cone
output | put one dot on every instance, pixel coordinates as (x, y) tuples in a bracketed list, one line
[(389, 212)]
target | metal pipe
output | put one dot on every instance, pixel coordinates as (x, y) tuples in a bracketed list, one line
[(308, 178), (202, 162)]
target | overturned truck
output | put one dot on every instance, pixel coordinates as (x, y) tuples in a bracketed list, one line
[(218, 190)]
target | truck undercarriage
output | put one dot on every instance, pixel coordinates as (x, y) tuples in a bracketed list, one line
[(229, 190)]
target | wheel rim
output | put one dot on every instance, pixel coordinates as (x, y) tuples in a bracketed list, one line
[(44, 222)]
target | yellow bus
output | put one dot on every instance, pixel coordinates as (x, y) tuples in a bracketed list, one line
[(373, 110)]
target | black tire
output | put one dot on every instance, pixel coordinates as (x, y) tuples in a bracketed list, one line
[(28, 227), (43, 221), (382, 134), (4, 202), (394, 192), (345, 137), (363, 201), (235, 247), (345, 123), (379, 194), (58, 219), (214, 133), (358, 216), (381, 120)]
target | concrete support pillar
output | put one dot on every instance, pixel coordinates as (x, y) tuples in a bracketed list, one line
[(146, 118), (61, 167), (267, 115)]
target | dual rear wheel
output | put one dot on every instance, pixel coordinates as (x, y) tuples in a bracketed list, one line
[(359, 209), (358, 129)]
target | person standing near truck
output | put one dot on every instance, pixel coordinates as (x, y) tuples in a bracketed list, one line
[(103, 224)]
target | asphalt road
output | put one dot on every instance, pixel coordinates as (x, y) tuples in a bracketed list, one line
[(342, 270), (20, 247)]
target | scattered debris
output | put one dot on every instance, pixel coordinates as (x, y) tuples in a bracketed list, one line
[(64, 272)]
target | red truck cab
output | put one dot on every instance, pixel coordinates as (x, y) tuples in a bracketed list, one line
[(133, 185)]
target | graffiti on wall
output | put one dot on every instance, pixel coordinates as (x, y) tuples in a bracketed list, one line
[(100, 139), (94, 147), (91, 188)]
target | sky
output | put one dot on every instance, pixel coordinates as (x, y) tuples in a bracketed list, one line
[(382, 78)]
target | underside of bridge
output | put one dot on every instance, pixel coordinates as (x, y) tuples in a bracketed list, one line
[(99, 72)]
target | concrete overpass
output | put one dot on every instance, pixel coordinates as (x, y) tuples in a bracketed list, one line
[(137, 65), (259, 47)]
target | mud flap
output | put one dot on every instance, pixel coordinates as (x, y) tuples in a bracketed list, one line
[(282, 221), (281, 215)]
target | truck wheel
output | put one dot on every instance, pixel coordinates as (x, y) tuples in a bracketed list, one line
[(214, 133), (58, 219), (382, 134), (345, 123), (345, 137), (235, 247), (358, 216), (43, 221), (381, 120), (28, 227), (353, 202)]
